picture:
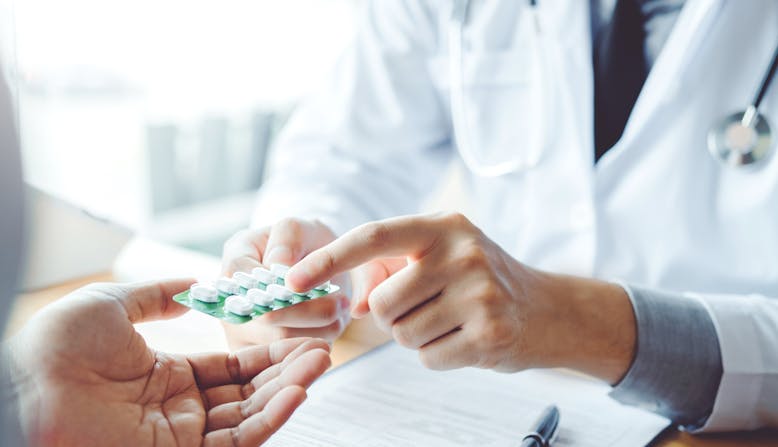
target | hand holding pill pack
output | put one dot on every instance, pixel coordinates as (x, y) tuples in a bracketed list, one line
[(246, 296)]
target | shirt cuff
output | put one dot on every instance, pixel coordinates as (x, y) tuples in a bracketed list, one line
[(677, 367)]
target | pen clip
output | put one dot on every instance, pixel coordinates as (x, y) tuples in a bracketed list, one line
[(545, 428), (537, 438)]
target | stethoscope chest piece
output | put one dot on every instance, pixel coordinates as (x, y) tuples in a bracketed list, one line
[(745, 138), (741, 139)]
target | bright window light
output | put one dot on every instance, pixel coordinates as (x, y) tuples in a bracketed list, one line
[(102, 78)]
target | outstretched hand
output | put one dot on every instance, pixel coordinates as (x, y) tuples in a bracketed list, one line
[(86, 377), (439, 285)]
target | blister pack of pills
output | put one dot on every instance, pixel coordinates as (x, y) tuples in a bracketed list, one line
[(246, 296)]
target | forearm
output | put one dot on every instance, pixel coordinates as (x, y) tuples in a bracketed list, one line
[(660, 350)]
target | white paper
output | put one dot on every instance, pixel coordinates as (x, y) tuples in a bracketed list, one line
[(388, 399)]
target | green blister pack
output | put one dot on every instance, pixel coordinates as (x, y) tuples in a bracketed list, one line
[(245, 296)]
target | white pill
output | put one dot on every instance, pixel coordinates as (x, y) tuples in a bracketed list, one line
[(227, 286), (264, 275), (245, 280), (204, 293), (279, 292), (323, 286), (260, 297), (279, 270), (238, 305)]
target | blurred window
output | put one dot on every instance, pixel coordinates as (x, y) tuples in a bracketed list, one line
[(153, 111)]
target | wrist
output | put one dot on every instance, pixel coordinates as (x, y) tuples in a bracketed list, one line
[(599, 326)]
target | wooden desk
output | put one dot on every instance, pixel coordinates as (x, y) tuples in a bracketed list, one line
[(361, 336)]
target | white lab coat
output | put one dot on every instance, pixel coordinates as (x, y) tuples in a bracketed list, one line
[(656, 210)]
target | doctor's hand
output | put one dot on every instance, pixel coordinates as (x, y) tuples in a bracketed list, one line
[(84, 376), (286, 242), (440, 286)]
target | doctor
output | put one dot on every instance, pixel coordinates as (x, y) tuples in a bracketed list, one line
[(626, 222)]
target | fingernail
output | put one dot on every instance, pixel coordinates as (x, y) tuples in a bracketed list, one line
[(280, 254), (357, 312), (356, 298)]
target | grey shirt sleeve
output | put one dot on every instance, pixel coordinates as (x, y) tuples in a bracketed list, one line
[(677, 367)]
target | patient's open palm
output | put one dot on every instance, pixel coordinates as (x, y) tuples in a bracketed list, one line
[(96, 382)]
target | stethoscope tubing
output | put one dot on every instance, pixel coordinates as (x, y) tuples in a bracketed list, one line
[(461, 130), (765, 84)]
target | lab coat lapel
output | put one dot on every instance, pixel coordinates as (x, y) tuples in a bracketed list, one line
[(667, 75)]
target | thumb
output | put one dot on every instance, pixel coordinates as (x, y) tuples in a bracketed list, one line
[(243, 250), (153, 300)]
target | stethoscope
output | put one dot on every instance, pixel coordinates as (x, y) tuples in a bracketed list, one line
[(739, 140), (745, 138), (472, 159)]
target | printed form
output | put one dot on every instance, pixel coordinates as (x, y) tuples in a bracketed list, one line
[(386, 398)]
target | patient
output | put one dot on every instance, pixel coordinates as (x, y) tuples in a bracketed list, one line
[(79, 374)]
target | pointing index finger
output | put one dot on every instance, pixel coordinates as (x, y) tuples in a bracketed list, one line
[(399, 236)]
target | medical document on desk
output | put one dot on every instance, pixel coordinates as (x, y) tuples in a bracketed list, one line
[(386, 398)]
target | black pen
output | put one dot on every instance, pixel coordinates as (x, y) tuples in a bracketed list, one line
[(544, 430)]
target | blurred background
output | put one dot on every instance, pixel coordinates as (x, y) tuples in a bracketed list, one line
[(150, 121)]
